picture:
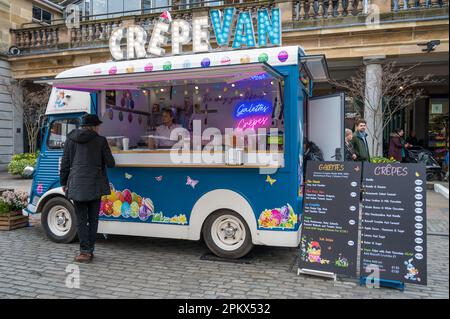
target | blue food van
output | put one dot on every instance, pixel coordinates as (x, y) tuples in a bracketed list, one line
[(234, 190)]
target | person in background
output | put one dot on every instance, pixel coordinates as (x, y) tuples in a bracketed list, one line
[(359, 142), (162, 139), (412, 139), (349, 155), (397, 145), (84, 180)]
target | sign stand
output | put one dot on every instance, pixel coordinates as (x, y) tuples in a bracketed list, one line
[(319, 273), (399, 285)]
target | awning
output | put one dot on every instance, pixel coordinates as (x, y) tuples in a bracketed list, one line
[(141, 80), (317, 67)]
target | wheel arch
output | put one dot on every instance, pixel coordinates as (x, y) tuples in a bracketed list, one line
[(55, 192), (216, 200)]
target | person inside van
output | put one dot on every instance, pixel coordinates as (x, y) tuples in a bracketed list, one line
[(162, 139)]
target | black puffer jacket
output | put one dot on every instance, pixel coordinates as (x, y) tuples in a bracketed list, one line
[(83, 165)]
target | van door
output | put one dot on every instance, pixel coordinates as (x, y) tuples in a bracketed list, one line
[(325, 125), (47, 169)]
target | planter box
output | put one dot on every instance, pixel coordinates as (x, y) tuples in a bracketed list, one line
[(13, 220)]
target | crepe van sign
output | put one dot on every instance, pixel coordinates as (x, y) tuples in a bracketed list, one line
[(182, 33)]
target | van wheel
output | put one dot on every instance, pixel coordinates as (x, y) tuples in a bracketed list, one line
[(59, 220), (227, 234)]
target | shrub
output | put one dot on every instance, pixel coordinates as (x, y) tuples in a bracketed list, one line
[(20, 161), (13, 201)]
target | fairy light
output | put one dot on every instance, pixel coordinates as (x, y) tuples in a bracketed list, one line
[(244, 31), (114, 44), (181, 30), (158, 38), (200, 34), (222, 27), (267, 28), (136, 38)]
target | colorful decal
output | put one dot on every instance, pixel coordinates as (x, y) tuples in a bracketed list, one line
[(129, 205), (411, 271), (206, 62), (167, 66), (283, 56), (263, 57), (128, 176), (120, 116), (112, 70), (245, 59), (270, 180), (40, 189), (148, 67), (177, 219), (159, 178), (280, 218), (225, 60), (191, 182), (130, 69), (98, 71), (186, 64), (59, 103)]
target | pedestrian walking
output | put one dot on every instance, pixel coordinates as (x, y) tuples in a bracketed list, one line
[(349, 150), (397, 145), (84, 180), (359, 141)]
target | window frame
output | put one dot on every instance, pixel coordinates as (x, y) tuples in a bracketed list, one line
[(41, 20), (50, 125)]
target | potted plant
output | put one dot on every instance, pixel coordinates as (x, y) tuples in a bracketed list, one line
[(11, 205)]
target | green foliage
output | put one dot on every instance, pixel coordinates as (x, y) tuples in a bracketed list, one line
[(382, 160), (20, 161), (4, 208)]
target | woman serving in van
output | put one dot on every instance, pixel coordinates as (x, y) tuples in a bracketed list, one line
[(162, 139)]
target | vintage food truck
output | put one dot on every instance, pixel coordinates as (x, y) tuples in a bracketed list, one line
[(228, 169)]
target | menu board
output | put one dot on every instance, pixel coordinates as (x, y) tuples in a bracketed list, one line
[(393, 234), (330, 218)]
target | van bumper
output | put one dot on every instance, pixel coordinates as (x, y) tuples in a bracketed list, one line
[(29, 210)]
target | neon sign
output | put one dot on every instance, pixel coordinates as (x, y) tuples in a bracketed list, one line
[(247, 108), (253, 122), (182, 33)]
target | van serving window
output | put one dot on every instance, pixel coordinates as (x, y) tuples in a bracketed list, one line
[(58, 132)]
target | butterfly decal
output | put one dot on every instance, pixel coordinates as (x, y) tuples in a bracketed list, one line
[(159, 178), (417, 174), (191, 182), (128, 176), (270, 180)]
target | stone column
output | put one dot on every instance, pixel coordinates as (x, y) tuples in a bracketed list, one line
[(373, 105)]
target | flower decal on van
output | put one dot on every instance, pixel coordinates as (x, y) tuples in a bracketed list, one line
[(283, 217)]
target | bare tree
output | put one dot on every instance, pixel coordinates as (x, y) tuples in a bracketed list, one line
[(30, 100), (399, 89)]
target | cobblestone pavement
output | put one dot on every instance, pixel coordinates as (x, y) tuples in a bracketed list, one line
[(31, 266)]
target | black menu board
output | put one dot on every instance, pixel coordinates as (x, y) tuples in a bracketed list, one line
[(329, 236), (393, 234)]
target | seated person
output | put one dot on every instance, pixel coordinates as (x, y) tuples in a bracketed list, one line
[(162, 138)]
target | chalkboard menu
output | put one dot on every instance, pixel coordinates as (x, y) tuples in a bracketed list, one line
[(393, 234), (329, 239)]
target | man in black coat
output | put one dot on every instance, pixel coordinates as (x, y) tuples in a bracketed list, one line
[(84, 180)]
